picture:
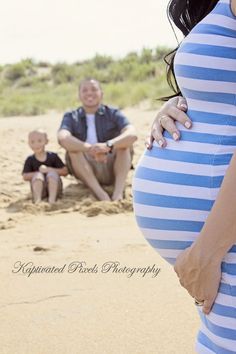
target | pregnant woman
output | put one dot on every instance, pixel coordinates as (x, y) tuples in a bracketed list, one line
[(185, 193)]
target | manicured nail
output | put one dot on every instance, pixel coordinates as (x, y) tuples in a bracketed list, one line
[(187, 124), (175, 136), (160, 142)]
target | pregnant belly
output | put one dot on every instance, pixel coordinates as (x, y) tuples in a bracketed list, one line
[(173, 192)]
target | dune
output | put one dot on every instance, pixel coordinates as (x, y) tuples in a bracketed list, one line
[(73, 274)]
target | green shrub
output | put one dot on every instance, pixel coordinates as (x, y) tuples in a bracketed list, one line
[(142, 72), (18, 106), (146, 56), (25, 67), (160, 53), (43, 64), (29, 88), (63, 73), (14, 72), (25, 82), (101, 61), (131, 57)]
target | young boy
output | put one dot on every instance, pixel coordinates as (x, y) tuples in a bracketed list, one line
[(43, 169)]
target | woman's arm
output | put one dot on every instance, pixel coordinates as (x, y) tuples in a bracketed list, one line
[(233, 6), (199, 266)]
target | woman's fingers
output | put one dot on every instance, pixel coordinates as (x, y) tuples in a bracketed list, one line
[(149, 142), (180, 116), (162, 122), (168, 124), (173, 111), (156, 134), (182, 103), (207, 305)]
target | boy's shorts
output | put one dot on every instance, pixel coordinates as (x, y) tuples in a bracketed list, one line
[(44, 178)]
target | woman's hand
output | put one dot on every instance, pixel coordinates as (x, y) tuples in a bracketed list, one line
[(199, 273), (172, 110)]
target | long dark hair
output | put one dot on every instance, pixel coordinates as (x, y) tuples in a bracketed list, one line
[(185, 14)]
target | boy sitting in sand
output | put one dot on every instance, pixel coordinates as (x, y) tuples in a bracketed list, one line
[(43, 169)]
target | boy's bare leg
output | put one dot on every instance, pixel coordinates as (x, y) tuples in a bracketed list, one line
[(84, 172), (121, 168), (53, 184), (37, 187)]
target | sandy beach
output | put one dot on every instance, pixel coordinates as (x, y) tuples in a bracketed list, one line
[(90, 294)]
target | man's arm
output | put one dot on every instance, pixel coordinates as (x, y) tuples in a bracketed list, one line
[(126, 138), (70, 143)]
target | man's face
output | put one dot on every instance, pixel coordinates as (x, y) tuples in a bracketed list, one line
[(90, 94)]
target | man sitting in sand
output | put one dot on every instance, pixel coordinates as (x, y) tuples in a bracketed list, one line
[(98, 140), (43, 169)]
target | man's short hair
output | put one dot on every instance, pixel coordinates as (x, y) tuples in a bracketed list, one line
[(89, 79)]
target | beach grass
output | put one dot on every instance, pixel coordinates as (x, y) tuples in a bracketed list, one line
[(31, 88)]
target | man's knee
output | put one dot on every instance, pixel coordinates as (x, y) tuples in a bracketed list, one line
[(76, 159), (78, 165), (72, 159), (74, 155), (123, 151), (124, 154)]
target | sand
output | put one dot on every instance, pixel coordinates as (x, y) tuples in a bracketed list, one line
[(75, 303)]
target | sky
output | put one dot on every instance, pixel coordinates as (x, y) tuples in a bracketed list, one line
[(73, 30)]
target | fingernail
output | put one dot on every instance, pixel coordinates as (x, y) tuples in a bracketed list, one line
[(183, 106), (175, 136), (187, 124), (160, 142)]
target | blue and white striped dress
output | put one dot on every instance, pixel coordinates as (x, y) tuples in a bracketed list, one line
[(174, 188)]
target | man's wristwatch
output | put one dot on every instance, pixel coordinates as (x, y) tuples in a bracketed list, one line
[(110, 145)]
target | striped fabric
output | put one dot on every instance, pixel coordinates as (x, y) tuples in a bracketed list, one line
[(174, 188)]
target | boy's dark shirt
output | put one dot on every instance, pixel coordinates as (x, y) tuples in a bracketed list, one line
[(52, 160)]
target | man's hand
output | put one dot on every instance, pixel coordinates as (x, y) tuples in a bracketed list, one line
[(101, 157), (171, 111), (101, 148), (99, 152), (199, 274)]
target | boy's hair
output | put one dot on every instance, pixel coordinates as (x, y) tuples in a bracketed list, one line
[(39, 131)]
